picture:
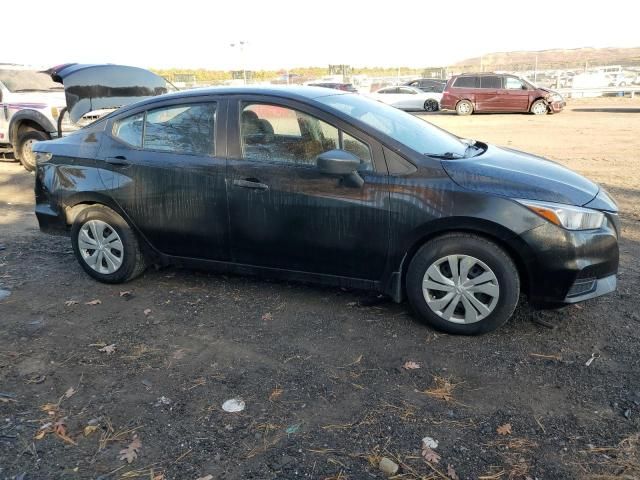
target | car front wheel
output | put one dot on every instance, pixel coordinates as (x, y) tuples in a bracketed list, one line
[(105, 245), (25, 148), (462, 283), (539, 107)]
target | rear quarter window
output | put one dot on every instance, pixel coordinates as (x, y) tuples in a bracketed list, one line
[(466, 82)]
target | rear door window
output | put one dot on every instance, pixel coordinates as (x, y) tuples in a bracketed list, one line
[(184, 129), (465, 82), (491, 81)]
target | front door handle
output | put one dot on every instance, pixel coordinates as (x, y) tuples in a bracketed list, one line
[(251, 183), (118, 160)]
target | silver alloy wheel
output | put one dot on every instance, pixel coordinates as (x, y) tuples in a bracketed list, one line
[(27, 152), (539, 108), (100, 246), (460, 289), (464, 107)]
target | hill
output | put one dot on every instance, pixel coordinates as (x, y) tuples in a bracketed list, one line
[(552, 59)]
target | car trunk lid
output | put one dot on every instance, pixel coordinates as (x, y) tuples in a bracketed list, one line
[(90, 87)]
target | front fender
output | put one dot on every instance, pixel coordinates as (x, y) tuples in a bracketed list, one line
[(31, 116)]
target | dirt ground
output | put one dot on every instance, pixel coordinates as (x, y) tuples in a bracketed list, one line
[(319, 369)]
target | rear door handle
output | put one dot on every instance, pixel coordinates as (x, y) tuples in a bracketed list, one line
[(251, 183), (118, 160)]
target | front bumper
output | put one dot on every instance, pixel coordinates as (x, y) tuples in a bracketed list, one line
[(567, 267), (557, 107)]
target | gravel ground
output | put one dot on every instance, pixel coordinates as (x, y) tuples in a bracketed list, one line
[(143, 372)]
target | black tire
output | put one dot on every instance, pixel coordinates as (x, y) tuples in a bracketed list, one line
[(536, 107), (23, 148), (481, 249), (133, 261), (464, 107), (431, 105)]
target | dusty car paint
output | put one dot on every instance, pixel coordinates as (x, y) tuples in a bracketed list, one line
[(309, 226)]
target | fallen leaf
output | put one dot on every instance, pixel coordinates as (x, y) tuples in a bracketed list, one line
[(410, 365), (108, 349), (89, 429), (267, 316), (60, 430), (68, 303), (504, 429), (131, 452), (276, 393), (146, 312), (429, 455), (70, 392), (451, 473), (93, 302), (126, 293), (40, 435)]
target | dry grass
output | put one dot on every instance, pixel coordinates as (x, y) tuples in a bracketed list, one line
[(110, 435), (621, 462), (515, 444)]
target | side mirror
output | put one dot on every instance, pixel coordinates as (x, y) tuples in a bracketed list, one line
[(337, 162), (524, 87)]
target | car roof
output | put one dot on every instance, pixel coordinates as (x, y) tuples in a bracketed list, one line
[(293, 92)]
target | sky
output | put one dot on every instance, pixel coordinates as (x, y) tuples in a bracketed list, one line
[(286, 34)]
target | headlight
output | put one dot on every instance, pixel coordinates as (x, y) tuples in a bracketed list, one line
[(42, 157), (556, 97), (567, 216)]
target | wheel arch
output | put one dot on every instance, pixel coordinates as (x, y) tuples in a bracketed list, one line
[(26, 120), (512, 244), (78, 202), (539, 97)]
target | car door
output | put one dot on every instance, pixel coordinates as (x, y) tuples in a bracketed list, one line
[(166, 170), (515, 95), (283, 212), (488, 95), (387, 95), (408, 99)]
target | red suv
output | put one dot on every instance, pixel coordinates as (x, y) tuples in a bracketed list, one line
[(491, 92)]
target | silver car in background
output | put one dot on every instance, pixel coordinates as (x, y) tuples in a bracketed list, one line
[(408, 98)]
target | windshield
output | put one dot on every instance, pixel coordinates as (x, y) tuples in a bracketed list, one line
[(27, 81), (403, 127)]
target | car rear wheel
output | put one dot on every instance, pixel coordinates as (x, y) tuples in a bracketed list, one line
[(25, 147), (462, 283), (539, 107), (431, 105), (464, 107), (106, 247)]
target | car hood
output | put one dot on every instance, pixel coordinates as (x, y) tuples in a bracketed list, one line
[(516, 174), (89, 88), (37, 99)]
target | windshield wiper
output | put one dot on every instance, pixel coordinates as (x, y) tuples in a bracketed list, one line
[(446, 155)]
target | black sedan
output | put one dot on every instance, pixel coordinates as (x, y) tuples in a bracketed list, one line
[(315, 184)]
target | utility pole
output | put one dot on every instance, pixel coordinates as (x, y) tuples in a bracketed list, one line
[(241, 44)]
